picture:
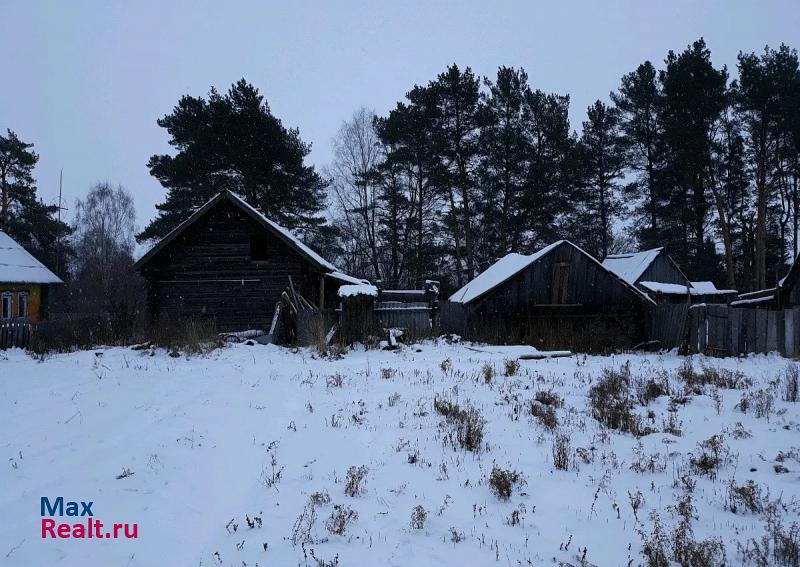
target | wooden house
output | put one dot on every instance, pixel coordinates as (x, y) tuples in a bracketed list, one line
[(655, 273), (229, 263), (24, 283), (559, 297)]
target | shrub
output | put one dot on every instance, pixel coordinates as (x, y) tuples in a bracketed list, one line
[(746, 498), (356, 481), (340, 518), (611, 402), (334, 380), (710, 375), (510, 367), (548, 398), (418, 517), (651, 389), (487, 370), (761, 402), (545, 414), (713, 452), (791, 383), (502, 482), (561, 452), (466, 424)]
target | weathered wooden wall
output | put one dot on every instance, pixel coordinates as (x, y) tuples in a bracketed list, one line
[(207, 272), (668, 323), (588, 284), (728, 331), (412, 315), (663, 270)]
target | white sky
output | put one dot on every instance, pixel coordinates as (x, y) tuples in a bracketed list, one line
[(86, 81)]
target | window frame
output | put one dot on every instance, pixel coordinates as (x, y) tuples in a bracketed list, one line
[(260, 243), (23, 298), (6, 296)]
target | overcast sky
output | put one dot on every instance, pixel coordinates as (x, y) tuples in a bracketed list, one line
[(86, 81)]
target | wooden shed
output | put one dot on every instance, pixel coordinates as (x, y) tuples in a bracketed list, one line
[(559, 297), (655, 273), (24, 283), (229, 263)]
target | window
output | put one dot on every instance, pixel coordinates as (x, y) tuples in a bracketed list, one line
[(560, 278), (259, 249), (22, 304), (6, 306)]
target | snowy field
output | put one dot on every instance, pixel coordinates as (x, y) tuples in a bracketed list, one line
[(258, 455)]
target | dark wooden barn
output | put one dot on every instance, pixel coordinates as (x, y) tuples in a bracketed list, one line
[(229, 263), (559, 297)]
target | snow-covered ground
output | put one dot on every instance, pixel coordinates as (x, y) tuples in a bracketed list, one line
[(209, 445)]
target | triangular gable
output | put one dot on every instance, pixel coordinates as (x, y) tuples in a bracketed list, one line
[(512, 264), (282, 233), (631, 265)]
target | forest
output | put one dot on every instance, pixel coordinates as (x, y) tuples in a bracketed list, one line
[(700, 159)]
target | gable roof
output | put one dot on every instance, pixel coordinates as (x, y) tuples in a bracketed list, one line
[(631, 265), (511, 264), (17, 265), (283, 233)]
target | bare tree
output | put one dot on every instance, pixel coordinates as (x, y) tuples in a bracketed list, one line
[(357, 152), (103, 239)]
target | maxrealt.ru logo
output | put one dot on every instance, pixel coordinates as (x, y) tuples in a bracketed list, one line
[(88, 527)]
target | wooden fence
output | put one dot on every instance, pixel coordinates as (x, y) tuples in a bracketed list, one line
[(412, 315), (668, 324), (15, 333), (727, 331)]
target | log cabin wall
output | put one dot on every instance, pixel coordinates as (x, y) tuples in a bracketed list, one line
[(209, 271)]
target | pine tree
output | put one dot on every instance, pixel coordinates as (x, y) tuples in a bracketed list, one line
[(234, 142), (456, 134), (694, 99), (552, 172), (23, 215), (638, 101), (603, 161), (503, 165), (767, 94)]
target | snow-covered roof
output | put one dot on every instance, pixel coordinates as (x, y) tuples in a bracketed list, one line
[(17, 265), (345, 278), (631, 265), (511, 264), (698, 288), (504, 269), (358, 289), (284, 233), (708, 288), (755, 300)]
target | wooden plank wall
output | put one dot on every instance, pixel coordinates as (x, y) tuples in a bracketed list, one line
[(414, 316), (668, 323), (452, 318), (721, 330)]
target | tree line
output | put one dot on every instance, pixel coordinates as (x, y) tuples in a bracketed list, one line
[(465, 170)]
